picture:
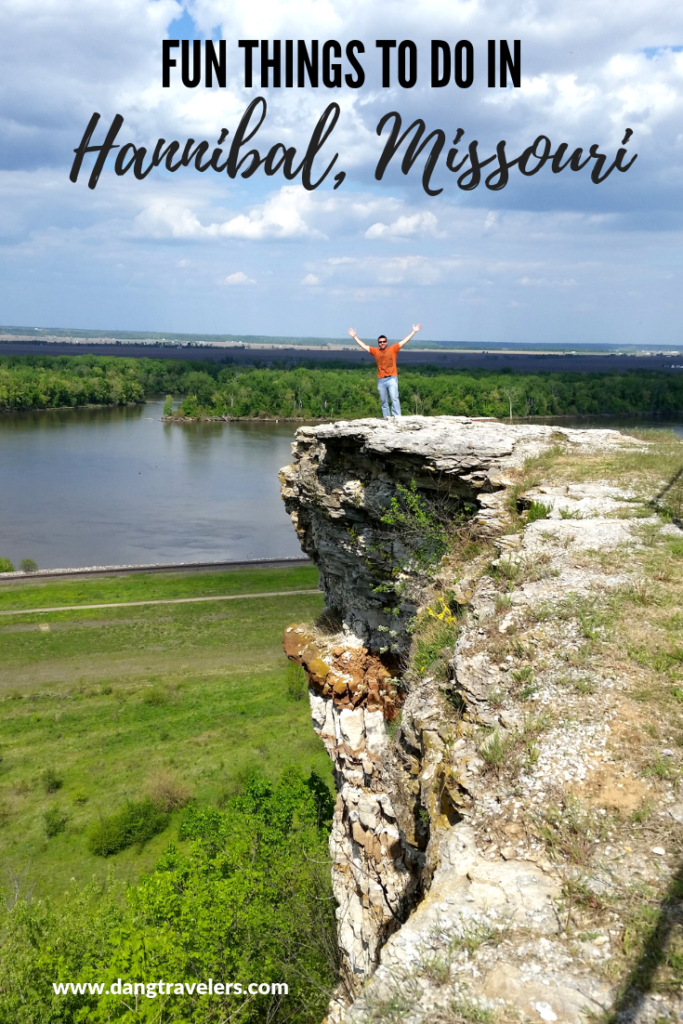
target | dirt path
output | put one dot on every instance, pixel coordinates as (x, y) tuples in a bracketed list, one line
[(165, 600)]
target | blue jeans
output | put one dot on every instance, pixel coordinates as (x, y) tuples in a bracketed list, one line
[(388, 392)]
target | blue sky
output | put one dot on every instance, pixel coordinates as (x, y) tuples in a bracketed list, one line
[(551, 258)]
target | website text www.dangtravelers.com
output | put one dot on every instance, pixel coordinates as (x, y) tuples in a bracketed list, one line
[(152, 989)]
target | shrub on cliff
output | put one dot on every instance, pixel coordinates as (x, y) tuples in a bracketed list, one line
[(435, 633)]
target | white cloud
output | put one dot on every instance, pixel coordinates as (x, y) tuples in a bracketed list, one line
[(405, 226), (239, 278), (366, 294), (289, 213), (283, 215), (311, 279), (365, 272), (546, 282), (418, 270)]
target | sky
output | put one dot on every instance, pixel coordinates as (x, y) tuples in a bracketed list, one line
[(550, 258)]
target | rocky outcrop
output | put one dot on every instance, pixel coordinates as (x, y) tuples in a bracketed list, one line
[(339, 489), (345, 672), (448, 895)]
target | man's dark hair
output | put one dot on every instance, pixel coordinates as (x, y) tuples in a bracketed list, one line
[(382, 337)]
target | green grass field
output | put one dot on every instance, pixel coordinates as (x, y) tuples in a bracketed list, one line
[(41, 593), (113, 700)]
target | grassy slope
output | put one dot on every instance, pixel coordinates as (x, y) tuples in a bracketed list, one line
[(110, 699)]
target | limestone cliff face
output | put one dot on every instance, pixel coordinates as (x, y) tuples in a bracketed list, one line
[(342, 482), (444, 890)]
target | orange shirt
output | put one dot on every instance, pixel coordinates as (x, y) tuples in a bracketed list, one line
[(386, 361)]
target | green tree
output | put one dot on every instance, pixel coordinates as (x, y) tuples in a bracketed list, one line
[(247, 899)]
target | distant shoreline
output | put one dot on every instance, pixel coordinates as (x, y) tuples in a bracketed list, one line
[(333, 419), (284, 343), (494, 419), (154, 567), (467, 358)]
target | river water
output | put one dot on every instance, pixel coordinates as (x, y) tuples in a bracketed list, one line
[(83, 487)]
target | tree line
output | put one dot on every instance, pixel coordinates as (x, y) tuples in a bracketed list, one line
[(309, 392)]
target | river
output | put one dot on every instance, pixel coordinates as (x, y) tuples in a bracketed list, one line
[(82, 487)]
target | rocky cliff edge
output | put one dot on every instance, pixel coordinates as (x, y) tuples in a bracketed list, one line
[(506, 839)]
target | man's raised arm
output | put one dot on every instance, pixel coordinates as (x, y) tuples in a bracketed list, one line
[(357, 340), (408, 337)]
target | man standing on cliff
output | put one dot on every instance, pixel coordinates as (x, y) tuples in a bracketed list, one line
[(387, 374)]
